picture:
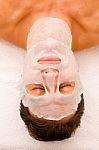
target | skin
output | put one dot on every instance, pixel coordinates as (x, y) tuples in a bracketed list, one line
[(16, 18)]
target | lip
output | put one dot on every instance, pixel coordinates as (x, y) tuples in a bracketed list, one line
[(49, 60)]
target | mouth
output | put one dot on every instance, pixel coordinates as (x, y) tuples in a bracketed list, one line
[(49, 60)]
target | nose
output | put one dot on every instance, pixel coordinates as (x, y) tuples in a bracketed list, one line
[(50, 78)]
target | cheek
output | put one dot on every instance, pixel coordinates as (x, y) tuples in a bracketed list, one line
[(37, 92), (32, 74), (34, 92), (65, 76)]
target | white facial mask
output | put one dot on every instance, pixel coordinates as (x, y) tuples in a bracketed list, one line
[(52, 87)]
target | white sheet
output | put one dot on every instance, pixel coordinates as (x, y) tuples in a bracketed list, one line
[(13, 133)]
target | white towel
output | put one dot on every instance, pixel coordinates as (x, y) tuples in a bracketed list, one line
[(13, 133)]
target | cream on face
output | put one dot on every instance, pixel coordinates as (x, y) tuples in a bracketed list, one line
[(51, 79)]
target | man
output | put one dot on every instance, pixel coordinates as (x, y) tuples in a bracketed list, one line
[(52, 102), (15, 28)]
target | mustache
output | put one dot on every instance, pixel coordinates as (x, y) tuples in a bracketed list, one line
[(51, 130)]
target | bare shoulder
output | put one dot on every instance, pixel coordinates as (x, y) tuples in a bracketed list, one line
[(16, 18), (85, 24)]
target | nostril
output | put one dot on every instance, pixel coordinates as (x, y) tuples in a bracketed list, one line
[(46, 72), (50, 71)]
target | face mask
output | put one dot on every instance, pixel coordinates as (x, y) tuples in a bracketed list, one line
[(51, 86)]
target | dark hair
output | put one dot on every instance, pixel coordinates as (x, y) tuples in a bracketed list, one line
[(50, 130)]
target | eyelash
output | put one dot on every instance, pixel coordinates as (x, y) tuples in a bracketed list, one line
[(37, 88), (65, 85), (44, 89)]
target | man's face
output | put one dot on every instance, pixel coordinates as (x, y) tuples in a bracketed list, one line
[(52, 89), (51, 83), (52, 108)]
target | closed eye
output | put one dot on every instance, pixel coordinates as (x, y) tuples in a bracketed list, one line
[(35, 89), (67, 87), (38, 88)]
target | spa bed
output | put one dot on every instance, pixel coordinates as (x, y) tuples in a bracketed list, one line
[(13, 133)]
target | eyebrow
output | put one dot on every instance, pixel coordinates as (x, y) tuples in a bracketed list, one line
[(37, 84)]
